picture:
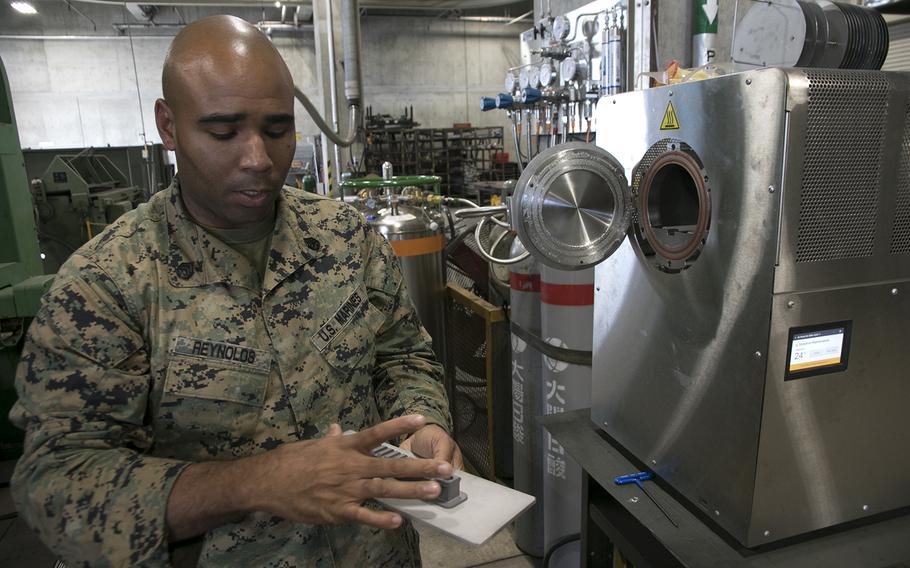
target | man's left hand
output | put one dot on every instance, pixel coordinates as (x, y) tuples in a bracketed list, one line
[(432, 441)]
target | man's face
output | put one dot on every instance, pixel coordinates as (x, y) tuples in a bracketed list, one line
[(233, 134)]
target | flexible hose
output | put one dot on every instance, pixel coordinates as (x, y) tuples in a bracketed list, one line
[(478, 211), (528, 136), (353, 120), (521, 166), (462, 200), (486, 211), (486, 255)]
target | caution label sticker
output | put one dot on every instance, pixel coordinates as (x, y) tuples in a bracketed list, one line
[(670, 121)]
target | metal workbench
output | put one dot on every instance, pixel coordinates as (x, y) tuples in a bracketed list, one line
[(625, 517)]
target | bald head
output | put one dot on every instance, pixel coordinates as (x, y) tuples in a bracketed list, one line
[(228, 114), (225, 48)]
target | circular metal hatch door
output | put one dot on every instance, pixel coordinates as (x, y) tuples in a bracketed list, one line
[(571, 206)]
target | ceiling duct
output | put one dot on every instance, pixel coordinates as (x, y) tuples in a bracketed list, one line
[(435, 4), (385, 4), (144, 12)]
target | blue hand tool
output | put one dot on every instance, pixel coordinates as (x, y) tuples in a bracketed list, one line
[(636, 479)]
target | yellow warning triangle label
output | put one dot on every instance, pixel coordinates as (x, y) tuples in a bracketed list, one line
[(670, 121)]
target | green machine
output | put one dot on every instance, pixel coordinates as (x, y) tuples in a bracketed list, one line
[(22, 279), (77, 197)]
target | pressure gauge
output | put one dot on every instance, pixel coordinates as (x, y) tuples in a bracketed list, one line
[(546, 75), (573, 70), (589, 28), (561, 27), (511, 82), (524, 80)]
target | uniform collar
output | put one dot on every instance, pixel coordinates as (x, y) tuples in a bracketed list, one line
[(198, 258)]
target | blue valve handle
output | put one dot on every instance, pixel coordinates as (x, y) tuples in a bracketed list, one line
[(636, 479), (530, 95)]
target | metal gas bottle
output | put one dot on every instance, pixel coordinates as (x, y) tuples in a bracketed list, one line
[(418, 241), (567, 320), (527, 398)]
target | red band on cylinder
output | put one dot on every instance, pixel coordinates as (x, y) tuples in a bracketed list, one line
[(567, 294), (524, 282)]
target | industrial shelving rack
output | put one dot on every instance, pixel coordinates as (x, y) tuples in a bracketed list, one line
[(457, 155)]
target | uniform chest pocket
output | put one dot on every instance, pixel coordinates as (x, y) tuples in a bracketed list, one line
[(352, 346), (210, 402)]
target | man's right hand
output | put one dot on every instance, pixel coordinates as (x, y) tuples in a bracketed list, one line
[(328, 479)]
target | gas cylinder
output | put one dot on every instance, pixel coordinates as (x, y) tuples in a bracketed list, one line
[(418, 241), (567, 321), (527, 396)]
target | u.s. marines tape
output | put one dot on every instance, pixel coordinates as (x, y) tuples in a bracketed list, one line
[(351, 307)]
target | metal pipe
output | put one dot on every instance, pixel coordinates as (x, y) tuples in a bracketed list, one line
[(271, 26), (580, 16), (350, 26), (81, 38), (333, 87), (477, 211), (522, 17), (495, 19), (210, 3)]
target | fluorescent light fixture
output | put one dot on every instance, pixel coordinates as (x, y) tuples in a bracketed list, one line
[(277, 4), (23, 7)]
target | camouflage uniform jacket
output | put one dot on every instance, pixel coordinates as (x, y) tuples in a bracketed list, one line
[(157, 347)]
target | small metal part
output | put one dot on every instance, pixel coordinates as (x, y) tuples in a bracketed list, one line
[(894, 291), (758, 354), (450, 493)]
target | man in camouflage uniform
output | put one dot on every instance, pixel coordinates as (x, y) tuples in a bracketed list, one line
[(186, 383)]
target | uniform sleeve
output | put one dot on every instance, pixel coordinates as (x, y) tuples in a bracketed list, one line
[(84, 482), (407, 378)]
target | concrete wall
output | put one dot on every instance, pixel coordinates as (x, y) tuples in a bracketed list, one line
[(82, 92), (441, 67)]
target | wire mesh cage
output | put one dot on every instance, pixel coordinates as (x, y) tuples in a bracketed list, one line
[(480, 381)]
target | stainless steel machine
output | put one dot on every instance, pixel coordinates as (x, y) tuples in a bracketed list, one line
[(751, 236)]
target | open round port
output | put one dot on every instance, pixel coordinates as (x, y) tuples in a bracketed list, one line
[(674, 209)]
